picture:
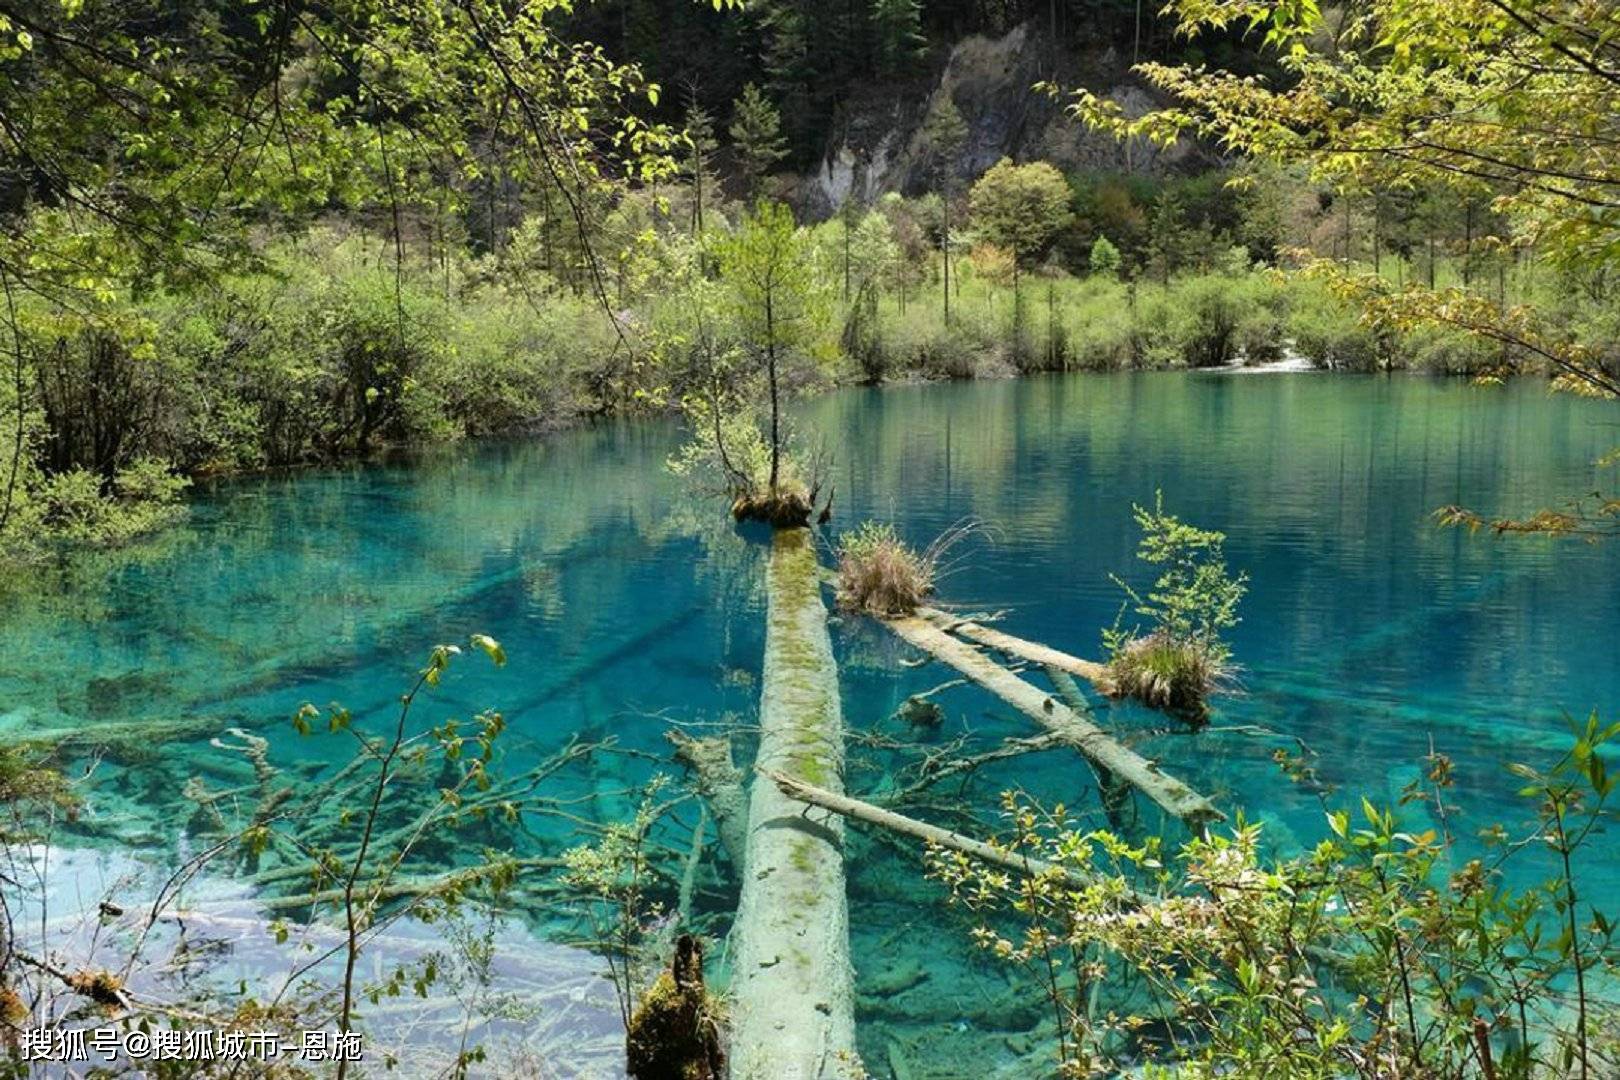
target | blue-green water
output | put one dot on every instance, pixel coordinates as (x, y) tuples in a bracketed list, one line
[(625, 605)]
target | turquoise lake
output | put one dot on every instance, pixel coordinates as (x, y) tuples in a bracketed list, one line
[(626, 605)]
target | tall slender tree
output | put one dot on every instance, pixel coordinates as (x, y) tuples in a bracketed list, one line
[(768, 268), (700, 153), (943, 133)]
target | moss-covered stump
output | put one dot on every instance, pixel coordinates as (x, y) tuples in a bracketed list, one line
[(792, 986), (674, 1034), (785, 508)]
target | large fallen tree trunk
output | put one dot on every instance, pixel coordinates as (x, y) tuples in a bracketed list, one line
[(1121, 762), (792, 984), (1033, 651)]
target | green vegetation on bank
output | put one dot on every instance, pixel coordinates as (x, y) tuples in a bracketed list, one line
[(335, 343)]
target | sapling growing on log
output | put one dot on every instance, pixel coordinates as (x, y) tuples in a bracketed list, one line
[(770, 322), (1180, 659)]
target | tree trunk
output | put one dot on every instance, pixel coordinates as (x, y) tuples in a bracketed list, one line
[(770, 361), (792, 984)]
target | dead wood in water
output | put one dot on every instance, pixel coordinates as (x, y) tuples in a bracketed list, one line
[(1033, 651), (673, 1034), (1115, 793), (936, 770), (855, 809), (1057, 718), (793, 984), (719, 783)]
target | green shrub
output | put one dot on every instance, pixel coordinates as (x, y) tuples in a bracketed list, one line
[(1097, 325), (1397, 945), (1181, 658), (1329, 334), (76, 506), (1446, 351)]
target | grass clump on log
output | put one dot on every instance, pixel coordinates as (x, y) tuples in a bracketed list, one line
[(1176, 676), (1180, 659), (881, 574)]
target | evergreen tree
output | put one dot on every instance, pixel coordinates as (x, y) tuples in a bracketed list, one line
[(1167, 236), (897, 34), (756, 136)]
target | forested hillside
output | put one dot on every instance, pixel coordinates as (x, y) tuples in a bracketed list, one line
[(828, 67)]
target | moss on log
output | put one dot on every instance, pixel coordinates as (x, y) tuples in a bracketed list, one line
[(792, 983), (673, 1034)]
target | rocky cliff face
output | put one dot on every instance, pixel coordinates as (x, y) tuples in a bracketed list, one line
[(990, 81)]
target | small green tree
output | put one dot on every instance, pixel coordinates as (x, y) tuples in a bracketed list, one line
[(1167, 236), (1021, 208), (1182, 658), (756, 136), (769, 272), (1104, 258)]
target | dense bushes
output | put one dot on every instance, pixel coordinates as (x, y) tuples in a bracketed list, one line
[(322, 348), (323, 354)]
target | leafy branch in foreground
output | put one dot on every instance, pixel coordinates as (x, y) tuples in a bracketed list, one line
[(1388, 949), (1592, 517)]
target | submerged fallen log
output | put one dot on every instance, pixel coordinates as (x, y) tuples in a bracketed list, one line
[(1115, 792), (793, 986), (1121, 762), (1033, 651), (845, 806), (719, 783)]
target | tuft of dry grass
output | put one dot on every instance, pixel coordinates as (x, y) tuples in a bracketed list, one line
[(881, 574), (1177, 676)]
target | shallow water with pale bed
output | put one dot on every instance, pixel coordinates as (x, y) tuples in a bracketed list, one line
[(626, 606)]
